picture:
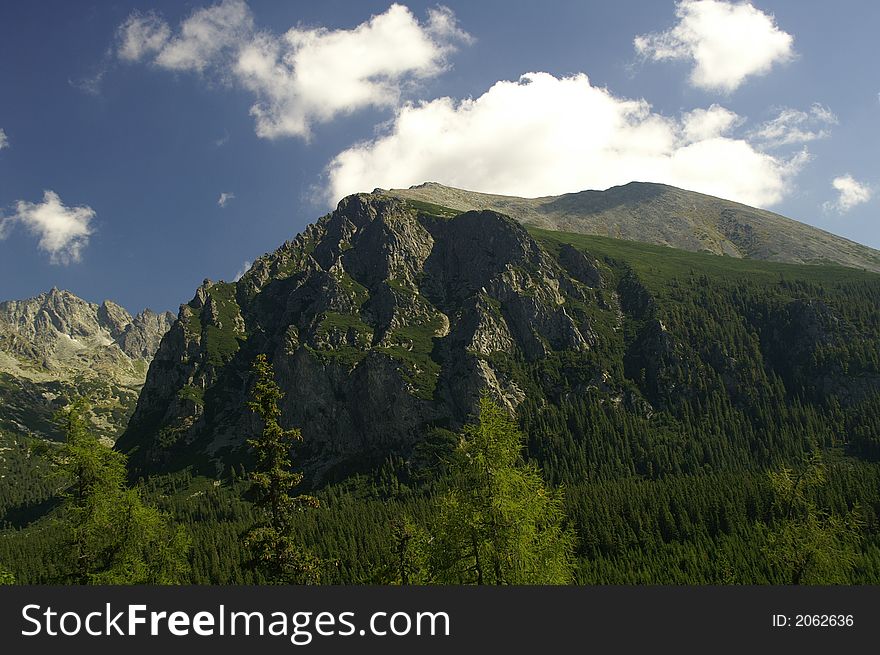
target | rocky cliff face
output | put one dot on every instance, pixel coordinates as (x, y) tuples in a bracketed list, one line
[(381, 321), (57, 346)]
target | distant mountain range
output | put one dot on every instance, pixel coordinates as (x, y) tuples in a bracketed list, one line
[(57, 346), (664, 215)]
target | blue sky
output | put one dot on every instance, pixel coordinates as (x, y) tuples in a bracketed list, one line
[(123, 123)]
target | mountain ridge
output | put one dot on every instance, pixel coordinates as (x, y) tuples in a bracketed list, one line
[(664, 215), (56, 345)]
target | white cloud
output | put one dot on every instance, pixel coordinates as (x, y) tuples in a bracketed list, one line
[(850, 192), (141, 35), (206, 35), (727, 42), (314, 74), (244, 269), (793, 126), (544, 135), (701, 124), (224, 198), (63, 231), (307, 75)]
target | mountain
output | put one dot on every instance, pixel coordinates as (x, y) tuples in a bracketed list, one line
[(387, 318), (664, 215), (378, 320), (658, 385), (57, 346)]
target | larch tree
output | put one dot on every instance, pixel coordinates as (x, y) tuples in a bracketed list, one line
[(498, 523), (110, 535), (805, 544)]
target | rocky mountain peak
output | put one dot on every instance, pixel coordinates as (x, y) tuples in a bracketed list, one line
[(57, 346), (380, 318), (68, 331), (50, 313), (113, 317)]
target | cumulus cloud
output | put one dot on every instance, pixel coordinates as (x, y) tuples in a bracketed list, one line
[(224, 198), (206, 35), (793, 126), (727, 43), (544, 135), (63, 231), (307, 75), (701, 124), (850, 193)]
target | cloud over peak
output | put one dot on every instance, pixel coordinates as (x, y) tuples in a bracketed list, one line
[(307, 75), (726, 42), (63, 231), (850, 193), (543, 135)]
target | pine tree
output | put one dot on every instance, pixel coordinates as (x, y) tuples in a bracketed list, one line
[(498, 523), (111, 536), (272, 548)]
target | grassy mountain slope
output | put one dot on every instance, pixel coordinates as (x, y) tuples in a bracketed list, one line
[(661, 214)]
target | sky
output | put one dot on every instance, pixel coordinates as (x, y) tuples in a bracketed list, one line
[(146, 146)]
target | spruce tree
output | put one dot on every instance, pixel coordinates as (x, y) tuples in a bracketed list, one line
[(408, 554), (273, 550), (110, 535), (498, 523)]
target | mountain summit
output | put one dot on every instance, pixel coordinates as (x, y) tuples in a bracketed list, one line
[(57, 346), (664, 215), (378, 319)]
